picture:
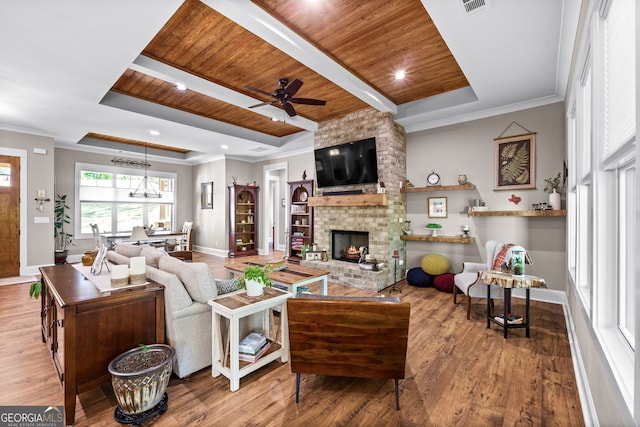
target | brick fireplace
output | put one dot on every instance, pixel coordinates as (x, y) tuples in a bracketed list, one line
[(380, 221)]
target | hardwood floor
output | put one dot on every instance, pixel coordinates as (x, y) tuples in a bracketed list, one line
[(458, 373)]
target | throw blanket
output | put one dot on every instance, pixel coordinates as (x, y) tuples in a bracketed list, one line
[(101, 281), (501, 259)]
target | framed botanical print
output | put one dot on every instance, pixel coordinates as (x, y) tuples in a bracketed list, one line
[(515, 162), (206, 195)]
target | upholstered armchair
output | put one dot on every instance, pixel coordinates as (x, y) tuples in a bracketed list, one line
[(468, 281)]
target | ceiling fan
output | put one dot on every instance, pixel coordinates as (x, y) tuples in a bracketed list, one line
[(284, 95)]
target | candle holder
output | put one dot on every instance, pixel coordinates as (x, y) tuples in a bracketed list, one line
[(396, 259)]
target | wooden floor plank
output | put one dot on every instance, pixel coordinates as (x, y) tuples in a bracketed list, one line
[(458, 373)]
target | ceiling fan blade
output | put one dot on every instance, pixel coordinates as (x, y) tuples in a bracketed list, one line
[(308, 101), (289, 109), (264, 92), (293, 87), (262, 103)]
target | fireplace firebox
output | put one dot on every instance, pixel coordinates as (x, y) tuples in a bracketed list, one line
[(346, 244)]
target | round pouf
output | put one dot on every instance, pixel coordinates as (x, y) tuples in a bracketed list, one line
[(444, 282), (417, 277), (435, 264)]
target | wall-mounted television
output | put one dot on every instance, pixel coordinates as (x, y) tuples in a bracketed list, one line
[(347, 164)]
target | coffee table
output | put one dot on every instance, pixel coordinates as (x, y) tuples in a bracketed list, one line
[(292, 277), (234, 307)]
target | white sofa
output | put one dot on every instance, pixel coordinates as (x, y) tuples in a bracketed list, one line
[(188, 287)]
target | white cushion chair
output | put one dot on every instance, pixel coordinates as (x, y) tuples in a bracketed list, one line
[(468, 281)]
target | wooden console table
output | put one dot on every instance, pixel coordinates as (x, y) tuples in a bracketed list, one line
[(85, 329)]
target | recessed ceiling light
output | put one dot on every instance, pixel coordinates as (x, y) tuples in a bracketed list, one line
[(154, 132), (224, 146), (399, 75), (181, 86)]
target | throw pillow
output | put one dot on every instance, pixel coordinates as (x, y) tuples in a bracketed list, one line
[(226, 286), (129, 250), (195, 276), (152, 255), (501, 258)]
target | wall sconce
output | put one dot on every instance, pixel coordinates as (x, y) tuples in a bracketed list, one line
[(40, 201)]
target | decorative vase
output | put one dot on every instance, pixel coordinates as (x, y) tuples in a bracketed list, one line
[(462, 179), (139, 377), (255, 288), (554, 200)]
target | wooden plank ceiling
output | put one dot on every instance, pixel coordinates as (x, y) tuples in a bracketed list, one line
[(373, 39)]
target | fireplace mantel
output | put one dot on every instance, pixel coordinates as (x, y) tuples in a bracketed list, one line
[(368, 199)]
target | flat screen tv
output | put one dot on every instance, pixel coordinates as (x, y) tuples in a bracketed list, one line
[(347, 164)]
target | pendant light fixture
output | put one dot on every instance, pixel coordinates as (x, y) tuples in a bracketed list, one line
[(145, 188)]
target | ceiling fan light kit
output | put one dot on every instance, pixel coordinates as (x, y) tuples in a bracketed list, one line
[(284, 96)]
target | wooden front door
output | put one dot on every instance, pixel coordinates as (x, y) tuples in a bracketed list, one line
[(10, 216)]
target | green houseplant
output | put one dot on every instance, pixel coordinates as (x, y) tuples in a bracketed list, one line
[(255, 278), (553, 188), (62, 238), (552, 184)]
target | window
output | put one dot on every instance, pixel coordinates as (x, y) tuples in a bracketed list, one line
[(602, 200), (103, 199), (626, 277), (5, 175)]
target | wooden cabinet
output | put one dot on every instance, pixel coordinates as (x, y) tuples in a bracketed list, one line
[(243, 220), (301, 221), (84, 329)]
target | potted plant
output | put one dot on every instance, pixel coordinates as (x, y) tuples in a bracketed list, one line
[(140, 376), (553, 188), (255, 278), (62, 238), (35, 289)]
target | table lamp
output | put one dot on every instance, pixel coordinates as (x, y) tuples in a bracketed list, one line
[(138, 235)]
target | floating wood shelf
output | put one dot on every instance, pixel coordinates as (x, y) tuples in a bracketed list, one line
[(369, 199), (437, 188), (443, 239), (519, 213)]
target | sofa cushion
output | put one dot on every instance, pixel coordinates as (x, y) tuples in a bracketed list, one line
[(195, 276), (226, 286), (177, 297), (152, 255), (129, 250), (116, 258)]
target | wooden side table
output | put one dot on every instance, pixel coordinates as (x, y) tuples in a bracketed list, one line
[(234, 307), (508, 282)]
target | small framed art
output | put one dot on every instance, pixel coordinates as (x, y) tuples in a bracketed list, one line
[(437, 207)]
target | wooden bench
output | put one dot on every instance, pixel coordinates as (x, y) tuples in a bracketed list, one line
[(348, 336)]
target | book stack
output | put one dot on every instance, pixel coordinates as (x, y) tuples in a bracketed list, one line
[(253, 346), (512, 319)]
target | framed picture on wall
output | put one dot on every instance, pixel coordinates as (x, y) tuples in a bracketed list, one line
[(437, 207), (515, 162), (206, 189)]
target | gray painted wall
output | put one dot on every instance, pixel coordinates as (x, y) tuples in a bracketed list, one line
[(468, 148), (40, 176)]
